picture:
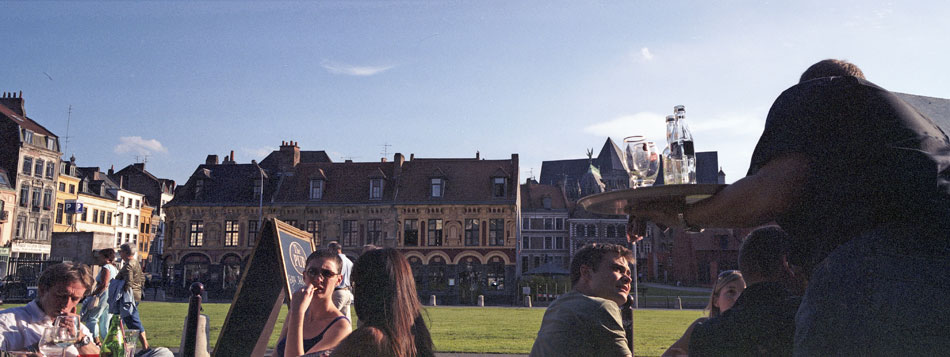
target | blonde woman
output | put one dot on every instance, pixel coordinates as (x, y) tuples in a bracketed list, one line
[(728, 287)]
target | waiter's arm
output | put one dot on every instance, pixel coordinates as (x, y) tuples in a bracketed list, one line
[(749, 202)]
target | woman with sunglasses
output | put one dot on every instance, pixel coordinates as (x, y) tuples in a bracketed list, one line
[(314, 324), (391, 323), (728, 287)]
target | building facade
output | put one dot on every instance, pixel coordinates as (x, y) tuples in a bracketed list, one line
[(67, 189), (453, 218), (100, 204), (545, 230), (156, 192), (30, 154)]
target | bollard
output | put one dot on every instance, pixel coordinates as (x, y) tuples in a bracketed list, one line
[(191, 329), (432, 300), (527, 300), (679, 303), (481, 300)]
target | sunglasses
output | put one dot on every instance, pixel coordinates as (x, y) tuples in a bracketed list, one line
[(326, 273)]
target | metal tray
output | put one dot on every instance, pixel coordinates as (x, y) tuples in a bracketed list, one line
[(616, 202)]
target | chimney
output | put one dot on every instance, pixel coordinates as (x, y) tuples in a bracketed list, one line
[(111, 170), (139, 165), (478, 154), (232, 156), (412, 156), (289, 156), (398, 159), (382, 160), (10, 100), (211, 160)]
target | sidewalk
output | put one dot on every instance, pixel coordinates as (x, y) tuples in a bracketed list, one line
[(674, 287)]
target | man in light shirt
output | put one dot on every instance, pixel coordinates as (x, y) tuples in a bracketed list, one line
[(343, 296)]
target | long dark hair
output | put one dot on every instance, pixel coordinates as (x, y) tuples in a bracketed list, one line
[(386, 299)]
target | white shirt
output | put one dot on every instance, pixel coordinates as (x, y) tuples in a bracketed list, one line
[(345, 271), (22, 327)]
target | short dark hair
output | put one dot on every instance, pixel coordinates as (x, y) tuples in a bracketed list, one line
[(66, 273), (107, 253), (328, 255), (762, 251), (831, 68), (127, 249), (335, 246), (592, 254)]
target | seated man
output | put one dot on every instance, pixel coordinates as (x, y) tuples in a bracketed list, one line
[(61, 286), (586, 321), (762, 321)]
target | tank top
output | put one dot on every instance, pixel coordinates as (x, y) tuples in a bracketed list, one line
[(307, 342)]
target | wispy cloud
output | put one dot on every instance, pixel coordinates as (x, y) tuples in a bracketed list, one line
[(353, 70), (258, 153), (645, 53), (137, 145)]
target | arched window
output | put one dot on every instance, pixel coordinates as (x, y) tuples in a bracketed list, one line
[(436, 274), (231, 265), (195, 268), (495, 274), (611, 231), (416, 264), (591, 230)]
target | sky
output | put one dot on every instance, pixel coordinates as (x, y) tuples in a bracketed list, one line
[(172, 82)]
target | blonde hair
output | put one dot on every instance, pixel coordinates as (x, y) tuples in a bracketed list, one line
[(732, 275)]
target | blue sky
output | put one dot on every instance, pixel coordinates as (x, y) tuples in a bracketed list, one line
[(547, 80)]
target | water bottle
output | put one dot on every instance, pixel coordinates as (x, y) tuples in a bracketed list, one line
[(684, 138), (670, 176)]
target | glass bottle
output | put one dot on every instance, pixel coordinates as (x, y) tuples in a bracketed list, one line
[(669, 172), (114, 343), (685, 140)]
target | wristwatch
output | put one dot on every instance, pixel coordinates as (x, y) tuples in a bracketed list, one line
[(85, 340)]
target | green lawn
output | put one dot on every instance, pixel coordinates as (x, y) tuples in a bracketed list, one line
[(454, 329)]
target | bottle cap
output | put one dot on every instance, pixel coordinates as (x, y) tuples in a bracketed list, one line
[(670, 118), (679, 108)]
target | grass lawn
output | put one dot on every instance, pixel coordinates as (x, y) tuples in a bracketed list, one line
[(454, 329)]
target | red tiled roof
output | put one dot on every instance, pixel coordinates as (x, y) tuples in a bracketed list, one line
[(533, 194), (25, 121)]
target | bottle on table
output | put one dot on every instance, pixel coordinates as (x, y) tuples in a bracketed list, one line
[(684, 140), (670, 174), (114, 343)]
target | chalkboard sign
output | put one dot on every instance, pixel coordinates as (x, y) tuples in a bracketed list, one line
[(274, 270)]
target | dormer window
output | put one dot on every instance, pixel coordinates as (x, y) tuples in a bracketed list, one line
[(438, 187), (316, 189), (375, 189), (499, 187)]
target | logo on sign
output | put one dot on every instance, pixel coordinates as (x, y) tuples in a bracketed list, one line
[(297, 257)]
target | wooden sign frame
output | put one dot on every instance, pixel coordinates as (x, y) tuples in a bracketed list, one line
[(274, 270)]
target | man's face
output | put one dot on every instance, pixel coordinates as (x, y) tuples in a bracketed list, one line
[(611, 279), (61, 298)]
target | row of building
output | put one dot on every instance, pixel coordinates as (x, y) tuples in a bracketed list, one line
[(469, 226)]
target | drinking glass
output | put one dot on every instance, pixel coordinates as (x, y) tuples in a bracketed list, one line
[(643, 162), (58, 337)]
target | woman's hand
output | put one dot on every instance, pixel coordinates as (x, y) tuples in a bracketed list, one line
[(301, 299)]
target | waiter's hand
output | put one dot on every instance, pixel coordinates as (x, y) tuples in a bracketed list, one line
[(663, 214)]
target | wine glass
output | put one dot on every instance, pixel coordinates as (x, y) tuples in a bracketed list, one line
[(642, 160), (63, 333)]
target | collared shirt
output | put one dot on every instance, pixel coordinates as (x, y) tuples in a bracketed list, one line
[(345, 271), (579, 325), (22, 327)]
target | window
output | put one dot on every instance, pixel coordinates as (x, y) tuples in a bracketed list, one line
[(252, 233), (44, 229), (27, 136), (316, 190), (434, 233), (496, 274), (374, 231), (122, 200), (72, 188), (49, 170), (231, 233), (313, 227), (537, 223), (128, 219), (611, 231), (20, 226), (102, 217), (95, 216), (537, 243), (350, 233), (83, 218), (471, 232), (136, 221), (59, 213), (548, 243), (436, 272), (499, 187), (410, 233), (525, 242), (558, 242), (36, 198), (62, 187), (31, 229), (138, 204), (438, 186), (197, 235), (559, 223), (549, 224), (524, 223), (38, 169), (27, 165), (109, 219), (496, 232), (47, 199), (24, 195), (375, 189), (121, 218)]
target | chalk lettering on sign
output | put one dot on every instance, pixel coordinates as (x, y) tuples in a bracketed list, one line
[(297, 257)]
